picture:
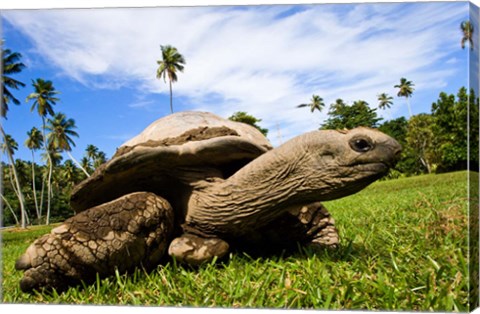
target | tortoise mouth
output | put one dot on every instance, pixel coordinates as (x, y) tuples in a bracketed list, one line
[(374, 168), (371, 171)]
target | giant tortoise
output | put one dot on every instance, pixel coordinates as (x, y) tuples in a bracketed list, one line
[(195, 185)]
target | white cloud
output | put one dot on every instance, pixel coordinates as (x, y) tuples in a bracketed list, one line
[(249, 58), (141, 104)]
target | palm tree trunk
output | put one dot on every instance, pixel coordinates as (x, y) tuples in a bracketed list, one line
[(49, 188), (409, 109), (34, 187), (11, 209), (42, 193), (78, 164), (50, 170), (21, 198), (171, 104), (18, 191)]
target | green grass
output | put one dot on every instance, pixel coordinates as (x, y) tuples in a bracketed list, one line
[(404, 247)]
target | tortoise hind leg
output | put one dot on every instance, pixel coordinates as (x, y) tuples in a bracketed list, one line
[(133, 230)]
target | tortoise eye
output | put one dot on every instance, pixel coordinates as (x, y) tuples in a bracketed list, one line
[(361, 145)]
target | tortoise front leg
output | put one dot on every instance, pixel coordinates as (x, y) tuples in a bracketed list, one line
[(133, 230), (318, 225), (195, 250), (309, 225)]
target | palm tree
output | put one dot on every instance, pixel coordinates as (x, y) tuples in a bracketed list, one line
[(44, 99), (384, 101), (338, 105), (86, 164), (69, 173), (405, 90), (172, 61), (10, 65), (91, 152), (34, 142), (467, 31), (60, 136), (9, 146), (44, 96), (55, 156), (100, 159), (316, 103)]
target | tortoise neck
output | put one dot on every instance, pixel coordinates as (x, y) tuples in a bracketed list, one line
[(276, 178)]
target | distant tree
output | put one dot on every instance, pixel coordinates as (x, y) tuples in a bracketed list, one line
[(44, 97), (172, 61), (343, 116), (452, 131), (55, 156), (421, 138), (91, 152), (10, 208), (44, 100), (241, 116), (10, 65), (100, 159), (396, 128), (405, 90), (34, 142), (338, 106), (316, 103), (69, 173), (384, 101), (94, 157), (60, 136), (9, 146), (467, 34), (474, 131), (86, 164)]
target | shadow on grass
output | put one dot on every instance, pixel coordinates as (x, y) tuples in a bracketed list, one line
[(265, 259)]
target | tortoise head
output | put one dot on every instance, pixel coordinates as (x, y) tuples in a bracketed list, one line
[(346, 161)]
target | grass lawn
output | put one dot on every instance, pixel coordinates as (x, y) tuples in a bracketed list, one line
[(404, 247)]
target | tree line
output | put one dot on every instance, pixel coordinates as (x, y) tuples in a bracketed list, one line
[(446, 139)]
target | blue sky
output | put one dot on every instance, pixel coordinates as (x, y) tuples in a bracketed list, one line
[(264, 60)]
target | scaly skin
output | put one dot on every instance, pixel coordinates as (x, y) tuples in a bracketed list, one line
[(131, 231)]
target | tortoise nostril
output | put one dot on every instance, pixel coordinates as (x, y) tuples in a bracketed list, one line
[(397, 156)]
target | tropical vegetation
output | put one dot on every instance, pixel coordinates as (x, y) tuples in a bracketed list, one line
[(32, 188), (242, 116)]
